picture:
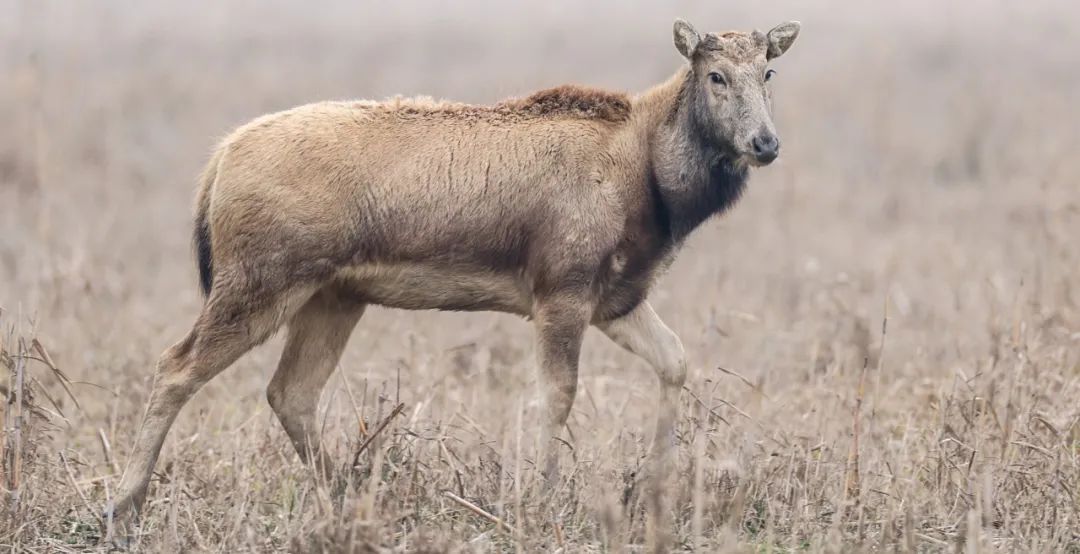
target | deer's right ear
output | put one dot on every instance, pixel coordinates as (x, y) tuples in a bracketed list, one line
[(686, 39)]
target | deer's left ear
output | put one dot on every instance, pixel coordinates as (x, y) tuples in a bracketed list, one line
[(781, 37)]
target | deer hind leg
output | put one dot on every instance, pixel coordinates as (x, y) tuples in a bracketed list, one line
[(233, 320), (317, 336)]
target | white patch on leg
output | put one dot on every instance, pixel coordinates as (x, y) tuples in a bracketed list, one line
[(643, 332)]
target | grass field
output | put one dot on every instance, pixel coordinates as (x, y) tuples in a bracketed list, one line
[(930, 179)]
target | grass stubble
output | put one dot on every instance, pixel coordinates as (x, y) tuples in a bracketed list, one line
[(956, 206)]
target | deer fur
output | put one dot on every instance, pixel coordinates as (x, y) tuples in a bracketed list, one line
[(564, 206)]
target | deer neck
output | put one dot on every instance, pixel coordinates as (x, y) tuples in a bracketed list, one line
[(692, 179)]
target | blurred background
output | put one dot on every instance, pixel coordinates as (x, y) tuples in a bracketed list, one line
[(930, 170)]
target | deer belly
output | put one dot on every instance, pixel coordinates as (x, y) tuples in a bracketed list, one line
[(413, 286)]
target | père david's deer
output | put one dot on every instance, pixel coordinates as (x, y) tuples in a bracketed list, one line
[(564, 206)]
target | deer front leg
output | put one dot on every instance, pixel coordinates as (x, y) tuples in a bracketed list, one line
[(642, 332), (560, 322)]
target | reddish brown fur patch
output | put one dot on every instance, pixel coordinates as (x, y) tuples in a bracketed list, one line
[(573, 101), (567, 101)]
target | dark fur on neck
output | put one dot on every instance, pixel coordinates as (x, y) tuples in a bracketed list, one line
[(704, 180)]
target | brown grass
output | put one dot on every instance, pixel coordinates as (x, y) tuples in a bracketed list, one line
[(929, 164)]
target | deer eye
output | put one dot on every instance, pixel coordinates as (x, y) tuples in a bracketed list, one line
[(769, 74), (717, 78)]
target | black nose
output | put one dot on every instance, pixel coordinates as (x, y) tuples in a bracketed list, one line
[(766, 147)]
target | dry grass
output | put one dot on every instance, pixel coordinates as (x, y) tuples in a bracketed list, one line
[(929, 173)]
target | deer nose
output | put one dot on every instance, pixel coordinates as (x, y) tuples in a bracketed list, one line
[(766, 147)]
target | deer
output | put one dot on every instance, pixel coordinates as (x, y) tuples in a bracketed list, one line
[(565, 207)]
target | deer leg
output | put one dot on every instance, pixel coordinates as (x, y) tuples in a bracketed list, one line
[(317, 336), (231, 323), (643, 332), (560, 323)]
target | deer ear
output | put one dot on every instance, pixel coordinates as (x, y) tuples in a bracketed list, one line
[(686, 38), (781, 37)]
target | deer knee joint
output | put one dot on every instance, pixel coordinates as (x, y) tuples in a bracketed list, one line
[(671, 365)]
